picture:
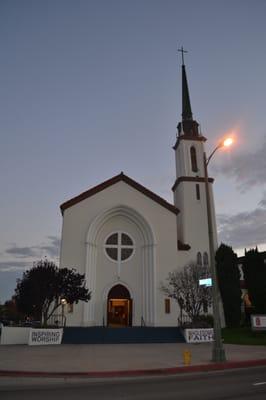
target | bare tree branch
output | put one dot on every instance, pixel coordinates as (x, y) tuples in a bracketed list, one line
[(183, 286)]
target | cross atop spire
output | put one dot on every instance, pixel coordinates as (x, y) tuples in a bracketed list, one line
[(182, 51)]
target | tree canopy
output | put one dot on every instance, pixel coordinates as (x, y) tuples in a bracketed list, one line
[(8, 311), (254, 270), (229, 284), (39, 291), (183, 286)]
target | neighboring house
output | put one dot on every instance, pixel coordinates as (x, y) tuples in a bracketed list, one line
[(126, 239)]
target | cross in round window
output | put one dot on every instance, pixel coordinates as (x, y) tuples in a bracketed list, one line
[(119, 246)]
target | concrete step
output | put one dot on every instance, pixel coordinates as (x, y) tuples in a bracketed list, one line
[(97, 334)]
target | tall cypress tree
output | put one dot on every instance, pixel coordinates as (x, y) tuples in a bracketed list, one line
[(229, 284), (255, 278)]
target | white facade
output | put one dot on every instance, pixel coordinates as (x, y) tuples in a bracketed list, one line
[(152, 227), (126, 240)]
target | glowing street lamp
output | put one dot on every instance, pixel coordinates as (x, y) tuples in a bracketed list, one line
[(228, 142), (224, 143), (218, 353)]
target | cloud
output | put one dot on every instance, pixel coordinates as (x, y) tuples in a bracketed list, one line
[(245, 229), (21, 252), (262, 203), (50, 250), (9, 266), (8, 283), (23, 258), (247, 169)]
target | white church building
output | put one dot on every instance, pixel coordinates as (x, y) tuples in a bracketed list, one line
[(126, 239)]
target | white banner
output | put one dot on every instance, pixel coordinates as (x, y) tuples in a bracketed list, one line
[(199, 335), (258, 322), (45, 336), (14, 335)]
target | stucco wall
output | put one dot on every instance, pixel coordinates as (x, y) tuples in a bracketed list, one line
[(154, 221), (192, 222)]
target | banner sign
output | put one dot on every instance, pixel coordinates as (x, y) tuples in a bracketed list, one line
[(15, 335), (45, 336), (258, 322), (205, 282), (199, 335)]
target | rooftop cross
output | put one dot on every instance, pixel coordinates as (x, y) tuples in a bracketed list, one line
[(182, 51)]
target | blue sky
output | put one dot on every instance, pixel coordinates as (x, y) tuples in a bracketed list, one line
[(92, 88)]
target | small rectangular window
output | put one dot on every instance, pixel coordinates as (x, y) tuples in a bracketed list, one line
[(167, 306), (197, 191), (70, 308)]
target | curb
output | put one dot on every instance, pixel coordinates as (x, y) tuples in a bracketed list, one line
[(138, 372)]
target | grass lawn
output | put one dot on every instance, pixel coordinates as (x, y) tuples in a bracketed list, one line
[(243, 336)]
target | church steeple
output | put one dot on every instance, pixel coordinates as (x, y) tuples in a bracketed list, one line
[(186, 106), (189, 187), (188, 127)]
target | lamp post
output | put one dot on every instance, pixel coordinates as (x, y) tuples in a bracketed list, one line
[(63, 303), (218, 353)]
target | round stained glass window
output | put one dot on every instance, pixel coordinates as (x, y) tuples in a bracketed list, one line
[(119, 246)]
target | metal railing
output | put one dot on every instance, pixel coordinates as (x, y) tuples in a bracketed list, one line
[(142, 323), (184, 320)]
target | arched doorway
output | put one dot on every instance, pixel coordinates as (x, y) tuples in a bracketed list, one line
[(119, 307)]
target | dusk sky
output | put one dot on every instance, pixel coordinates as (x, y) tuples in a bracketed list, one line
[(92, 88)]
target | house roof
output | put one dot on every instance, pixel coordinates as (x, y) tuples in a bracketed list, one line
[(117, 178)]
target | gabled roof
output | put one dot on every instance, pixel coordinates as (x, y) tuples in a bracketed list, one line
[(112, 181)]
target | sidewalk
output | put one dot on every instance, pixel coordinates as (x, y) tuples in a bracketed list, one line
[(120, 359)]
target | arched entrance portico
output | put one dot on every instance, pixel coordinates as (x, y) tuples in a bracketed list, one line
[(119, 307), (145, 290)]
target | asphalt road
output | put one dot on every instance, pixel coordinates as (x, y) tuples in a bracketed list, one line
[(244, 384)]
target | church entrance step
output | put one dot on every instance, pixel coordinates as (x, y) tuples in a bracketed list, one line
[(80, 335)]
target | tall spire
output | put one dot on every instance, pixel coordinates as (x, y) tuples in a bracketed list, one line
[(186, 106), (188, 127)]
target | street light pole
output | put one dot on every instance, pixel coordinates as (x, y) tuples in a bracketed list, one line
[(218, 353), (63, 303)]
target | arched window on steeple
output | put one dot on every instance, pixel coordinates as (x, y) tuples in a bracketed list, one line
[(205, 259), (199, 259), (193, 158)]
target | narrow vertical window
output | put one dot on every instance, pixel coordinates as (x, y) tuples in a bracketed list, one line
[(197, 191), (199, 259), (205, 259), (70, 308), (167, 306), (193, 158)]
